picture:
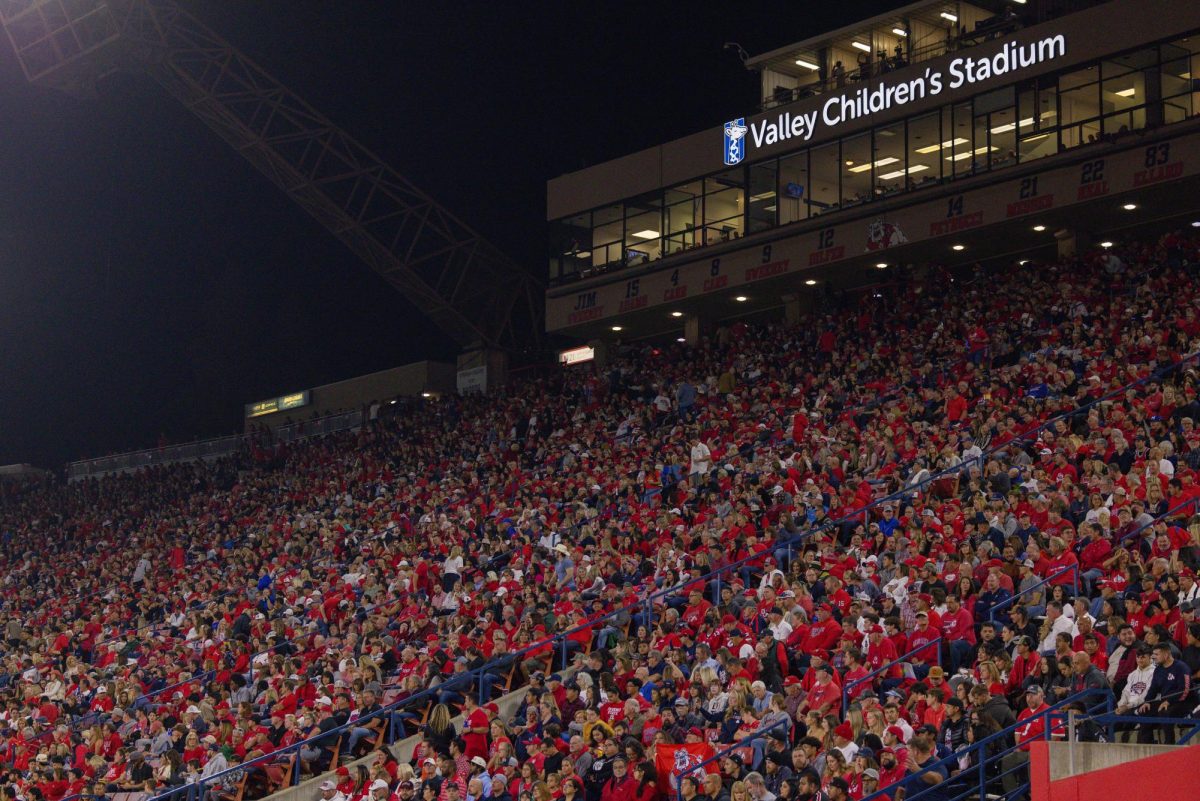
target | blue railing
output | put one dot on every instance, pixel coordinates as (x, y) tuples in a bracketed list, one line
[(745, 742), (846, 688), (987, 770), (1007, 602)]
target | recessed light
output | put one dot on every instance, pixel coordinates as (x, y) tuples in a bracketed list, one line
[(1106, 244), (866, 48), (957, 247), (899, 31), (1039, 228), (810, 282), (617, 328), (882, 265), (741, 298), (1129, 206), (808, 65), (676, 314), (646, 234)]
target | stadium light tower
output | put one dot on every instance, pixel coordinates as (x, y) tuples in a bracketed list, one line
[(466, 286)]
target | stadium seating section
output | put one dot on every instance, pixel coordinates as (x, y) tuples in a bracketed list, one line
[(875, 538)]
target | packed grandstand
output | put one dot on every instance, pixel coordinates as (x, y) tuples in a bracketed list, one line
[(913, 523)]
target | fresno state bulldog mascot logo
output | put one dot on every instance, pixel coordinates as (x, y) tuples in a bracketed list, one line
[(882, 235), (673, 761), (684, 761)]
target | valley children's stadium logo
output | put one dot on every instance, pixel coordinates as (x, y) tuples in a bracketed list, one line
[(735, 141)]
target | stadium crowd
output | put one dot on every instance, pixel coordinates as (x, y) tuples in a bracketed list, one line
[(742, 536)]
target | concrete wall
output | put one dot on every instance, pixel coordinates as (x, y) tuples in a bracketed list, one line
[(1115, 770)]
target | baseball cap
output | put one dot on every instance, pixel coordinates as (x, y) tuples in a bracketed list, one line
[(328, 785), (379, 784), (478, 760), (871, 773)]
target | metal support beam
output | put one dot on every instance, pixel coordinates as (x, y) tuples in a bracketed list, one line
[(467, 287)]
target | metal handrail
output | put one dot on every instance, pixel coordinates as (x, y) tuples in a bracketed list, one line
[(1012, 599), (1051, 717), (746, 741), (895, 662)]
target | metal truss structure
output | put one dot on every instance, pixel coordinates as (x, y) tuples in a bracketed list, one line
[(468, 288)]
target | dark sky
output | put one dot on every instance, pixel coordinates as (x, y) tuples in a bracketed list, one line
[(152, 282)]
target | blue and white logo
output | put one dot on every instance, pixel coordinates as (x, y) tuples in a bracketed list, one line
[(735, 140)]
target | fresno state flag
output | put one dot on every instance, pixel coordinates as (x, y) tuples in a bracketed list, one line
[(672, 761)]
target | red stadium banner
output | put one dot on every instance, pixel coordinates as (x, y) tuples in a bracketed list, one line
[(672, 761)]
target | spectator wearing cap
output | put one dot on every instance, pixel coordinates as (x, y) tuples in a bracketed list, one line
[(478, 772), (330, 792), (1031, 725), (776, 771), (843, 740)]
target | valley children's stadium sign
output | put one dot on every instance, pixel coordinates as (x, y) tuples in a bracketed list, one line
[(739, 137)]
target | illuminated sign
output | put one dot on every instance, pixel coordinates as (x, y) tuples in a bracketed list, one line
[(576, 355), (857, 104), (284, 402)]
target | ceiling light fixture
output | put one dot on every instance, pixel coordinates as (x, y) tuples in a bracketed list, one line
[(617, 328), (882, 265), (899, 31), (810, 282), (949, 16), (935, 148), (648, 233), (1129, 206), (1106, 244), (1039, 228), (957, 247), (741, 298), (866, 48), (676, 314), (808, 65), (887, 176), (883, 162)]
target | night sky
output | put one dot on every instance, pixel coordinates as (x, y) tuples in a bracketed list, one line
[(152, 281)]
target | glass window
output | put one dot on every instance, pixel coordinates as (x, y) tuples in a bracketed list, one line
[(891, 166), (607, 247), (823, 194), (763, 200), (1181, 60), (1002, 145), (794, 188), (1079, 107), (570, 245), (643, 229), (927, 148), (1130, 62), (682, 215), (1037, 112), (724, 204), (856, 169), (961, 135)]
